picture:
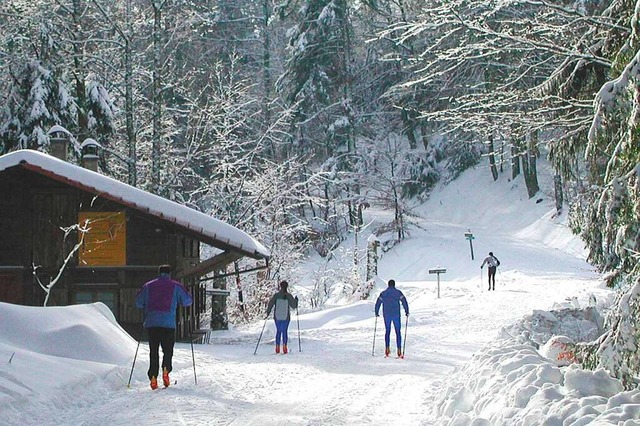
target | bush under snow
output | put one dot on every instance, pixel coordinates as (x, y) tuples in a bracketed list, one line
[(526, 377)]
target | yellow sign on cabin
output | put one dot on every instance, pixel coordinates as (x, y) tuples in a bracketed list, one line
[(105, 242)]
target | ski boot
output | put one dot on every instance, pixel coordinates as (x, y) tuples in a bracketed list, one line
[(400, 353), (285, 349), (153, 383), (165, 378), (387, 351), (277, 349)]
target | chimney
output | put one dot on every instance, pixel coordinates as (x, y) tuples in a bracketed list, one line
[(59, 141), (90, 154)]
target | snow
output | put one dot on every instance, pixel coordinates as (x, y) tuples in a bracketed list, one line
[(141, 200), (473, 357)]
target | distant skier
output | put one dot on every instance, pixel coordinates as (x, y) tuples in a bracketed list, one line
[(390, 300), (493, 263), (160, 298), (283, 302)]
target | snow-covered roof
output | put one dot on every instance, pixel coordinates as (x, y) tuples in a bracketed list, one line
[(216, 232)]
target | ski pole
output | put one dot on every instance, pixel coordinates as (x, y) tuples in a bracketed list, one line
[(260, 338), (404, 343), (375, 326), (298, 320), (136, 355), (193, 358)]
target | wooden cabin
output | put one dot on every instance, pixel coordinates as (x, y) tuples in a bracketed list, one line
[(104, 239)]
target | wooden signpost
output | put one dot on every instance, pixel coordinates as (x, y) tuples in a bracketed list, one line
[(438, 271)]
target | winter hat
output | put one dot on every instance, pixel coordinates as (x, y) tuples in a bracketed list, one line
[(284, 285), (490, 253), (392, 283), (164, 269)]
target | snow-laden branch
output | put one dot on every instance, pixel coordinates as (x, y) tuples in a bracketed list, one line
[(82, 229), (611, 92)]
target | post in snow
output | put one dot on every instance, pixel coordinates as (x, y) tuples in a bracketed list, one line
[(469, 236), (438, 271)]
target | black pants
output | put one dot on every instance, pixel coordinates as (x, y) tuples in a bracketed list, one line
[(165, 337), (492, 276)]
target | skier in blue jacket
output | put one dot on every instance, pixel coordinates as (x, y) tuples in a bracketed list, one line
[(160, 298), (390, 300)]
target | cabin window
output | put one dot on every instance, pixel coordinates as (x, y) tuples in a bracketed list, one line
[(106, 296)]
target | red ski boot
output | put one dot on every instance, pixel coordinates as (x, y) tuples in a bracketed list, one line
[(165, 378)]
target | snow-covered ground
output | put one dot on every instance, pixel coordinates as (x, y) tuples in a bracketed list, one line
[(473, 357)]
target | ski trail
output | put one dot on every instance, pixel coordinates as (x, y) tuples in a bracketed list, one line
[(333, 380)]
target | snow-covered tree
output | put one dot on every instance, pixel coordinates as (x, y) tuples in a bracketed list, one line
[(607, 213), (498, 78), (316, 79), (38, 99)]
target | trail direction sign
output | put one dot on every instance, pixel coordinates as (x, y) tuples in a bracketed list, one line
[(469, 236), (438, 271)]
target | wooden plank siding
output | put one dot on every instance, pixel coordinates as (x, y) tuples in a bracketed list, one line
[(34, 208)]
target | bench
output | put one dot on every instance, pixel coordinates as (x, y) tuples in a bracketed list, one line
[(202, 335)]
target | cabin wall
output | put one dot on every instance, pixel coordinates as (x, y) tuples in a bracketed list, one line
[(34, 212), (14, 250)]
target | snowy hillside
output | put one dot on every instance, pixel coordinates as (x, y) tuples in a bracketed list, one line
[(473, 357)]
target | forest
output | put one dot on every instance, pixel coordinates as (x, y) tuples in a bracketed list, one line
[(287, 118)]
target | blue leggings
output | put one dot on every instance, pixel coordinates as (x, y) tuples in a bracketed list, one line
[(387, 330), (281, 331)]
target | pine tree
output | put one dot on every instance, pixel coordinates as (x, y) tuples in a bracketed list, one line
[(316, 79), (38, 99), (607, 214)]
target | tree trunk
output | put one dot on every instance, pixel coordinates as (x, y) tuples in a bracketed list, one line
[(372, 258), (156, 142), (515, 162), (239, 287), (128, 100), (127, 34), (530, 174), (266, 72), (79, 70), (399, 220), (557, 184), (409, 129), (530, 169), (424, 134), (492, 159)]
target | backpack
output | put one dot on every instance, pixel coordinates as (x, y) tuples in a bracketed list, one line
[(497, 261), (281, 312)]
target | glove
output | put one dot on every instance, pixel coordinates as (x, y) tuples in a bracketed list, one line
[(296, 298), (407, 313), (481, 267), (377, 315)]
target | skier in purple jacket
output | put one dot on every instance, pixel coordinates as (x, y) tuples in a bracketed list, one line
[(390, 300), (160, 298)]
